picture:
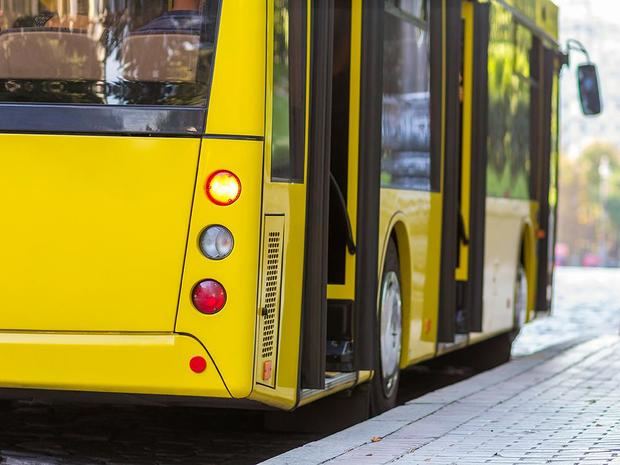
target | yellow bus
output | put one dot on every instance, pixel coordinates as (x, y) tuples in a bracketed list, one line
[(266, 202)]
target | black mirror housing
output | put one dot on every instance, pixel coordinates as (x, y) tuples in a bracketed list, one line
[(589, 91)]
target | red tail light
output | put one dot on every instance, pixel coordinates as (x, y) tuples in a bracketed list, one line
[(209, 297)]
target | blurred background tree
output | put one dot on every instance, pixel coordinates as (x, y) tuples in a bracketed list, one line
[(613, 210), (589, 209)]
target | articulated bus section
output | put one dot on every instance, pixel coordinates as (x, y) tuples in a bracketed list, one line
[(264, 203)]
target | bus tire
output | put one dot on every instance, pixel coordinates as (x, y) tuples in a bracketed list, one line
[(384, 386)]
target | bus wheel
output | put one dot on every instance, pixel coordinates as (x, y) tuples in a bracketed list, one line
[(520, 301), (387, 375)]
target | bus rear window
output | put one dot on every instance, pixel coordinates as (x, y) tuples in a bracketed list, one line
[(118, 52)]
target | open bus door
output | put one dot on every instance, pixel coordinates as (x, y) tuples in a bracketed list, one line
[(311, 243), (545, 191), (314, 304), (446, 34), (474, 156), (464, 184), (329, 260), (339, 294)]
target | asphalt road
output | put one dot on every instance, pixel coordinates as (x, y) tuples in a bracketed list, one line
[(72, 435)]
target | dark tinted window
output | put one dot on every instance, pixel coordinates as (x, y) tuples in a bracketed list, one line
[(406, 135), (289, 90), (120, 52)]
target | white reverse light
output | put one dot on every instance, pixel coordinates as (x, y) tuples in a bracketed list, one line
[(216, 242)]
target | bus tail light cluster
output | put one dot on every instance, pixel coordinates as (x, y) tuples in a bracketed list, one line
[(216, 242)]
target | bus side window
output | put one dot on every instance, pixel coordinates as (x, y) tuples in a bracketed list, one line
[(289, 91), (406, 134)]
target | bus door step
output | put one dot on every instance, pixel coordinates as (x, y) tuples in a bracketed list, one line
[(339, 356)]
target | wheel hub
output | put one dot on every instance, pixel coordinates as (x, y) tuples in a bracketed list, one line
[(391, 332), (520, 299)]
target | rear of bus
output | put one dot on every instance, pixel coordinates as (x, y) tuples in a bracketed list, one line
[(130, 219)]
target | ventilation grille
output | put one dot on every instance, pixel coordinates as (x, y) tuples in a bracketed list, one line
[(269, 309), (272, 281)]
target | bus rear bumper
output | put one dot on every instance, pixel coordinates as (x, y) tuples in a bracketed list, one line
[(115, 363)]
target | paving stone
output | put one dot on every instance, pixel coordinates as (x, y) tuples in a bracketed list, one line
[(560, 407)]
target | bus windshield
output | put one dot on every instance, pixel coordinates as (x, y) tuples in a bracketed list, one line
[(117, 52)]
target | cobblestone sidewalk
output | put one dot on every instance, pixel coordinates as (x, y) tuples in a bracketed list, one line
[(560, 406)]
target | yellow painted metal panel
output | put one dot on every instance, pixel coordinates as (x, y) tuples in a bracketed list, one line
[(93, 231), (415, 217), (288, 200), (138, 364), (547, 17), (505, 220), (237, 102), (526, 7), (228, 335)]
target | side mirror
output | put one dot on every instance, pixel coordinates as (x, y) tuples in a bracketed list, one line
[(589, 92)]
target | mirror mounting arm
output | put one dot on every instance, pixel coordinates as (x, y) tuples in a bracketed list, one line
[(564, 59), (573, 45)]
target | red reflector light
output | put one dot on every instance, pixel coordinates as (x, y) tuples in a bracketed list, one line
[(209, 297), (198, 364), (223, 188)]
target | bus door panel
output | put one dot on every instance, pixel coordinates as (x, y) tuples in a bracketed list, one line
[(475, 142), (321, 247), (314, 306), (337, 332), (343, 177), (452, 51), (464, 169), (366, 114), (471, 169), (286, 202), (546, 205)]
